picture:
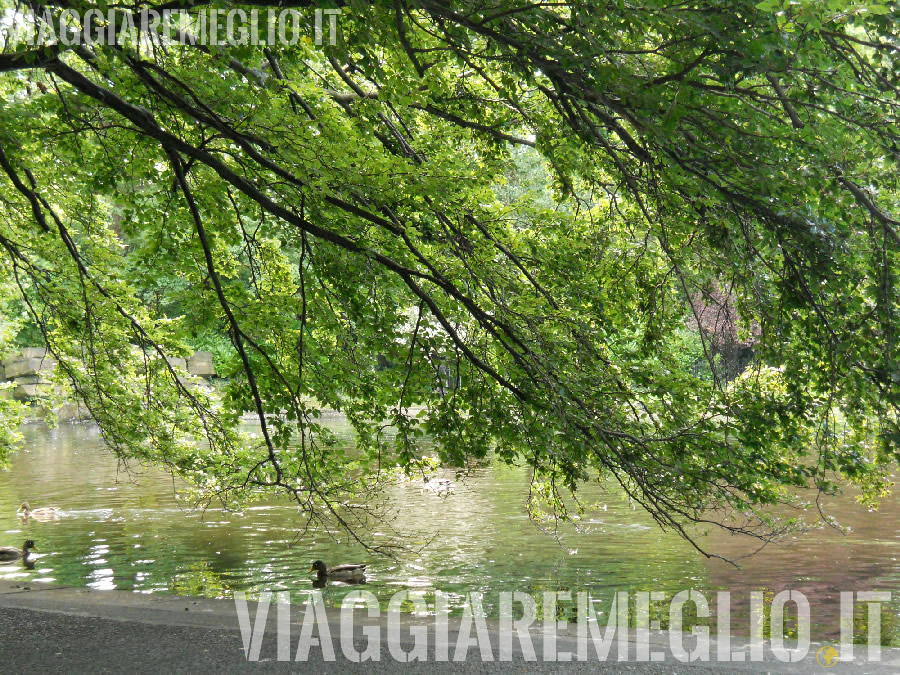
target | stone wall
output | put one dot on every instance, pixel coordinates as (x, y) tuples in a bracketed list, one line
[(29, 370)]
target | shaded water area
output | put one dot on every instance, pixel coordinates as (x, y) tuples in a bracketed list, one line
[(129, 531)]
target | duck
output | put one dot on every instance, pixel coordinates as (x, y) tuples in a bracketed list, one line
[(438, 485), (13, 553), (45, 512), (339, 572)]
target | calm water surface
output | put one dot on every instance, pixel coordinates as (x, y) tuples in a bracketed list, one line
[(129, 531)]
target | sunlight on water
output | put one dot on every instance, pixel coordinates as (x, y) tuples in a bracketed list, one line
[(127, 530)]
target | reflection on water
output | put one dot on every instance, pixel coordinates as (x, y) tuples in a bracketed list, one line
[(127, 530)]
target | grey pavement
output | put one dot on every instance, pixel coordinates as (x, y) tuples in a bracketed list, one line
[(55, 629)]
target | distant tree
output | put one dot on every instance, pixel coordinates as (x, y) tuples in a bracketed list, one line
[(333, 208), (730, 344)]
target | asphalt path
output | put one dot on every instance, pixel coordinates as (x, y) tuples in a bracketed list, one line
[(50, 629)]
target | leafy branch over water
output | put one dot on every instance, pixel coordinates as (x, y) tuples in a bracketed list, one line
[(351, 219)]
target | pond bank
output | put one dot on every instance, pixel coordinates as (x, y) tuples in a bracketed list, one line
[(49, 628)]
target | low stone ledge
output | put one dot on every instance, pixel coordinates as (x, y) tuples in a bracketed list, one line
[(201, 364)]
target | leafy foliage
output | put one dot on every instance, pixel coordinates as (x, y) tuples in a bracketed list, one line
[(483, 222)]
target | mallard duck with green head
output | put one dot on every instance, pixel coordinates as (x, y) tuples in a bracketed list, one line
[(13, 553), (339, 572)]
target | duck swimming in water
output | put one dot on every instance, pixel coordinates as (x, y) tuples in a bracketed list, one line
[(13, 553), (45, 512), (339, 572)]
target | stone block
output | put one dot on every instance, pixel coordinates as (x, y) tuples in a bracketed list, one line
[(32, 390), (33, 353), (71, 412), (201, 363), (30, 379), (26, 353), (177, 362), (31, 366)]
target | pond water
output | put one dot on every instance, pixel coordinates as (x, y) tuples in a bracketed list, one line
[(129, 531)]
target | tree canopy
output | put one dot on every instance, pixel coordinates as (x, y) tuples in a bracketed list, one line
[(491, 223)]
